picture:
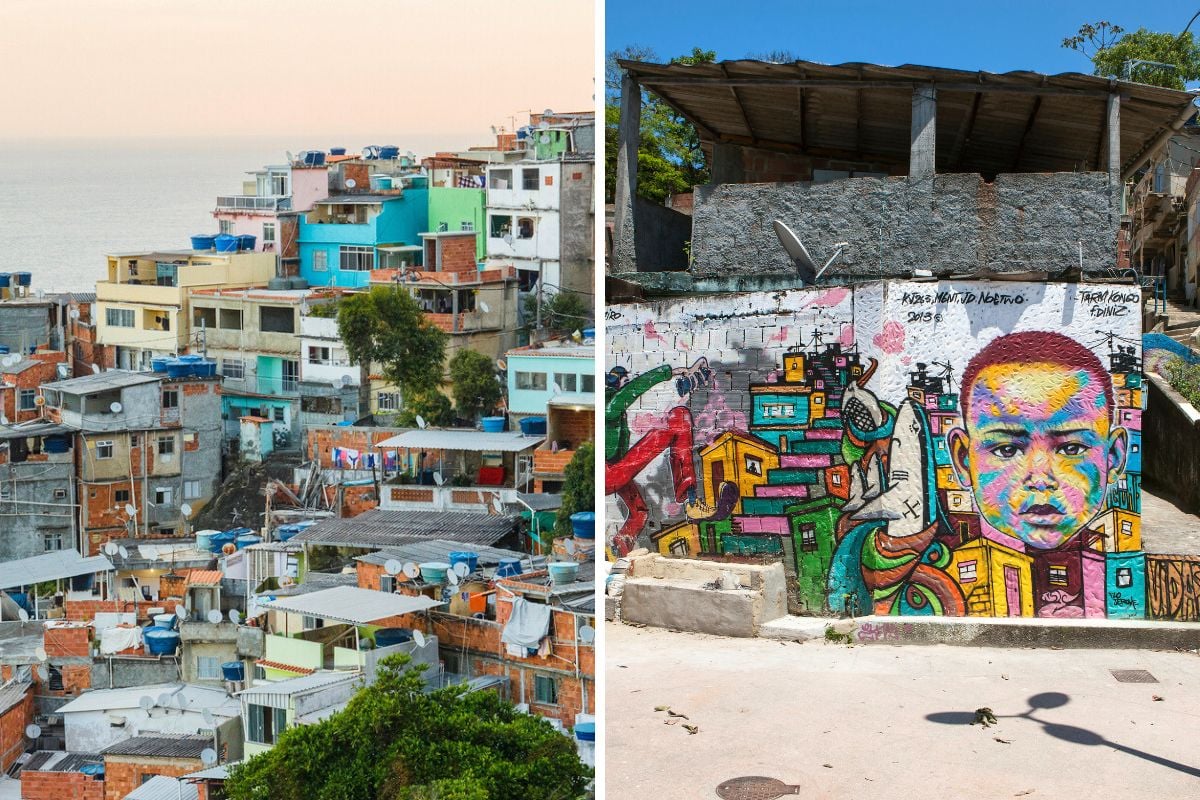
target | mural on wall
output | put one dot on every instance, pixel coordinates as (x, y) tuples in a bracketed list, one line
[(957, 448)]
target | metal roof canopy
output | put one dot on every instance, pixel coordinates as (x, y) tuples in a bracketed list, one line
[(378, 528), (986, 122), (351, 604), (50, 567), (471, 441)]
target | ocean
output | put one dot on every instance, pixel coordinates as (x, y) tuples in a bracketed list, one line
[(64, 204)]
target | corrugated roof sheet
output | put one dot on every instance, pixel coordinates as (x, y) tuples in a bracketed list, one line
[(58, 761), (160, 746), (471, 441), (198, 697), (12, 693), (217, 773), (161, 787), (204, 577), (378, 529), (49, 567), (352, 604), (109, 379), (301, 685), (440, 550), (282, 667)]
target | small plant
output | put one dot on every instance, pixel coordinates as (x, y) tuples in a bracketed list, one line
[(1184, 378), (837, 638)]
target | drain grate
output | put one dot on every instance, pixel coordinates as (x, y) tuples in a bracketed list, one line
[(1133, 676), (754, 787)]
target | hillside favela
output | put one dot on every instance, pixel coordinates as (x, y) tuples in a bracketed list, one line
[(323, 470)]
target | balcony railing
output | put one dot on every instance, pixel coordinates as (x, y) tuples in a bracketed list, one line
[(252, 203)]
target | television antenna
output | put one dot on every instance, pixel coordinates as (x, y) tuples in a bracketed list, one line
[(22, 615), (805, 266), (351, 183), (40, 653), (210, 719), (110, 548), (569, 546), (164, 700), (452, 578), (96, 368), (115, 407), (123, 552), (186, 509), (484, 307), (497, 505)]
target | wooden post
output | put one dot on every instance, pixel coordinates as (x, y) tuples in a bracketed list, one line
[(923, 147), (628, 134), (1113, 128)]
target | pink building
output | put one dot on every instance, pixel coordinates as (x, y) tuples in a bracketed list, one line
[(270, 191)]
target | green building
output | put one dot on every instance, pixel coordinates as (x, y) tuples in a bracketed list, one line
[(456, 208)]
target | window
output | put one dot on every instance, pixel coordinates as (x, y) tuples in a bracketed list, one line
[(357, 259), (5, 492), (778, 410), (52, 540), (499, 226), (1124, 577), (387, 583), (835, 479), (320, 260), (170, 398), (529, 179), (966, 572), (535, 381), (466, 226), (162, 496), (166, 445), (545, 690), (1126, 525), (388, 401), (133, 264), (291, 375), (277, 413), (208, 668), (60, 494), (679, 547), (525, 228), (119, 317), (587, 383), (808, 537), (268, 233), (231, 319), (204, 317), (234, 368), (565, 380), (264, 723), (191, 490), (135, 440), (318, 355), (104, 449), (274, 319), (28, 399), (225, 226), (1058, 576), (501, 179), (754, 466), (279, 185), (121, 496)]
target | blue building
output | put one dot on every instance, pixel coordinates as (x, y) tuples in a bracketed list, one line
[(343, 238), (536, 375)]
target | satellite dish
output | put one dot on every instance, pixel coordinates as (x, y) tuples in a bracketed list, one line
[(452, 578), (497, 505), (182, 612), (234, 616), (122, 552), (209, 719), (111, 547), (587, 634), (543, 125), (508, 238), (544, 138), (351, 183), (569, 546), (130, 510), (96, 368), (419, 638), (208, 756), (411, 154), (181, 701), (215, 616), (412, 570), (40, 670), (4, 419), (73, 313), (461, 569), (146, 702), (438, 479), (420, 422), (115, 407), (796, 251), (392, 566), (40, 654), (186, 509), (164, 700), (345, 381), (547, 113), (484, 307), (33, 731)]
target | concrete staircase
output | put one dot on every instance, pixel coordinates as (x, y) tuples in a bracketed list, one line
[(1182, 320)]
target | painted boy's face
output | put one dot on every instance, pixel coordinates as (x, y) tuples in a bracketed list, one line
[(1039, 450)]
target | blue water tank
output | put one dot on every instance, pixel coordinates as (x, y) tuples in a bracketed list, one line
[(161, 642), (226, 243), (219, 540), (204, 369), (4, 349), (247, 539), (159, 363), (246, 242), (533, 426), (493, 424), (337, 151), (177, 368), (313, 158), (585, 731), (589, 333), (508, 568), (389, 151), (464, 557), (92, 769), (285, 532), (23, 278), (583, 524), (203, 241), (5, 280), (233, 671), (386, 637)]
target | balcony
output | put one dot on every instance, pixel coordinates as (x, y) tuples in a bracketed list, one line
[(253, 203)]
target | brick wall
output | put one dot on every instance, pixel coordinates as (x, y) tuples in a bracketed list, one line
[(60, 786), (551, 463), (60, 641), (44, 371), (12, 730), (123, 774), (357, 499), (322, 440), (458, 254), (86, 610), (574, 427), (76, 678)]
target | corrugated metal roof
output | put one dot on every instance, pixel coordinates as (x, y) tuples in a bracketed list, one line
[(987, 123), (102, 381), (282, 667), (204, 577), (294, 686), (198, 697), (352, 604), (439, 550), (161, 787), (58, 761), (49, 567), (542, 501), (378, 528), (160, 746), (12, 693), (471, 441), (317, 581), (217, 773)]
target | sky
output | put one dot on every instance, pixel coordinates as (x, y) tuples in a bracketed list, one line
[(996, 36), (444, 71)]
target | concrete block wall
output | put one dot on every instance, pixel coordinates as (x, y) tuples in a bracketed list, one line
[(60, 786)]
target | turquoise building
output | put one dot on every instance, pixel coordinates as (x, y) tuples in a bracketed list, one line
[(534, 374)]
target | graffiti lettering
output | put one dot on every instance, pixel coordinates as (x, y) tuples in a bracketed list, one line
[(988, 297), (1118, 600), (1173, 588), (924, 316), (1109, 296)]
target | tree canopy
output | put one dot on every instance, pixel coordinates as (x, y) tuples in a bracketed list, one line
[(1138, 56), (385, 326), (579, 487), (561, 311), (475, 388), (395, 742), (670, 160)]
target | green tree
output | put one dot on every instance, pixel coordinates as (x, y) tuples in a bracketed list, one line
[(579, 488), (670, 160), (428, 404), (386, 327), (562, 311), (394, 741), (1113, 52), (475, 388)]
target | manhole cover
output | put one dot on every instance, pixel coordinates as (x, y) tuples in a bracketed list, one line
[(1133, 676), (754, 787)]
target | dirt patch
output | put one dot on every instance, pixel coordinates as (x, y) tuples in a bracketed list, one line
[(241, 501)]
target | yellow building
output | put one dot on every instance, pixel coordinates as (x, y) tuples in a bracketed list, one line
[(739, 458), (997, 581), (1120, 531), (143, 308), (678, 540)]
